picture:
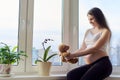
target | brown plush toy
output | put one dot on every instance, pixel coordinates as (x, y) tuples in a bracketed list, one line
[(63, 53)]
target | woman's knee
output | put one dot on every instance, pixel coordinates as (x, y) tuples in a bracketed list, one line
[(74, 75), (77, 73), (70, 75)]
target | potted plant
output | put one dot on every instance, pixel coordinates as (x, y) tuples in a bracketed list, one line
[(8, 56), (43, 63)]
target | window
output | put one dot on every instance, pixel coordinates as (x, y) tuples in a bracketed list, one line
[(112, 16), (43, 20), (47, 25), (28, 23), (9, 22)]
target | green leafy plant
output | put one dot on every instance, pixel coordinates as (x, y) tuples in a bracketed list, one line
[(45, 57), (10, 56)]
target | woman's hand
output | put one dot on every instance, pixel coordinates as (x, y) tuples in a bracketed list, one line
[(70, 56)]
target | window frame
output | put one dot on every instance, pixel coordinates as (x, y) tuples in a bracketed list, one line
[(29, 35), (21, 35)]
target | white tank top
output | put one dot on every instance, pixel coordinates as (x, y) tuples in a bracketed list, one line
[(91, 38)]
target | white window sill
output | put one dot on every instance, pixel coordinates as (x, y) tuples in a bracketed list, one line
[(35, 77), (113, 77), (52, 77)]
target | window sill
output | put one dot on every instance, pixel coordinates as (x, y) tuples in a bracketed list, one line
[(34, 77), (52, 77), (114, 77)]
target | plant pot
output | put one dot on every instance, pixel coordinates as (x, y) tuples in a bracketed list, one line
[(5, 70), (44, 68)]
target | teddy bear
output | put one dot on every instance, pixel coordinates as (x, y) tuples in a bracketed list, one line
[(63, 49)]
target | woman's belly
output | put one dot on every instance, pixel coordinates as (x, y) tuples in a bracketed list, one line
[(90, 58)]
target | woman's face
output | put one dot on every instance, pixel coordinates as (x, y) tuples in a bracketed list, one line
[(92, 20)]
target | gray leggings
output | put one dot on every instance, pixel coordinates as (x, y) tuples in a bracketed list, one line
[(98, 70)]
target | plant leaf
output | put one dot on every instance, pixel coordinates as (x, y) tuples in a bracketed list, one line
[(46, 53), (50, 57), (38, 61), (14, 48)]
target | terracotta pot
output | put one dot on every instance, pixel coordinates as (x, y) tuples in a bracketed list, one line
[(5, 69), (44, 68)]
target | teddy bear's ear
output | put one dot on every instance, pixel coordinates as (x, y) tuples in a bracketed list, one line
[(63, 47)]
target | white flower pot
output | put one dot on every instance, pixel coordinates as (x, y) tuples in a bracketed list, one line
[(44, 68), (5, 70)]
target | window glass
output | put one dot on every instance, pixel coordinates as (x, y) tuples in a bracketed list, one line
[(112, 16), (9, 15), (47, 25)]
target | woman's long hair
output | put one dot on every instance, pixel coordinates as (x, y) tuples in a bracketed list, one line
[(99, 17)]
